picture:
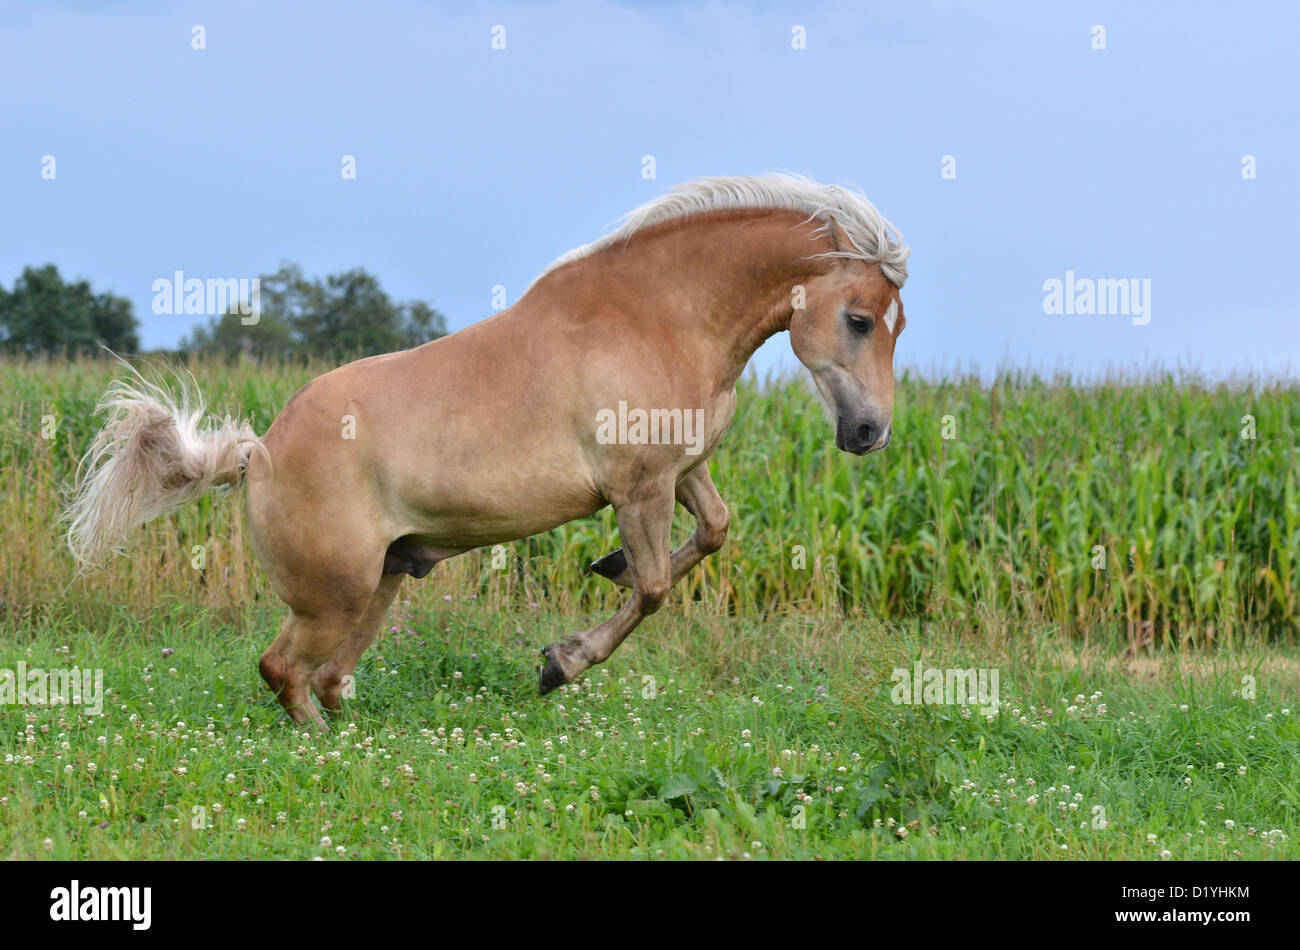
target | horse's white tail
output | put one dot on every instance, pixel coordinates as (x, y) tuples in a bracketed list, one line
[(150, 458)]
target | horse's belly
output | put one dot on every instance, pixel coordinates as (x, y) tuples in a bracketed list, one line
[(498, 500), (487, 521)]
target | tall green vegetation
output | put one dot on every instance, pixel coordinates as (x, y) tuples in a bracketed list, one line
[(1163, 510)]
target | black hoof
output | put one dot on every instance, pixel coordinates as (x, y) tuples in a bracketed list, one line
[(551, 674), (611, 565)]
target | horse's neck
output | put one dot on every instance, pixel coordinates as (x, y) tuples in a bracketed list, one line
[(730, 277), (741, 270)]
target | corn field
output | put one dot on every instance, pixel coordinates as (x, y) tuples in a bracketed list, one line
[(1162, 508)]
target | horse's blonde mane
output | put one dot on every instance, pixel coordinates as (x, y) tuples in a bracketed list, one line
[(857, 223)]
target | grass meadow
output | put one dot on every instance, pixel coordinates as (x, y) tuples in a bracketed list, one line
[(1123, 554)]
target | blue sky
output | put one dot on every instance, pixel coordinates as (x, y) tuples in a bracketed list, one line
[(477, 167)]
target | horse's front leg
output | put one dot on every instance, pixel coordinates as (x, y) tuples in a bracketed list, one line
[(644, 525), (700, 497)]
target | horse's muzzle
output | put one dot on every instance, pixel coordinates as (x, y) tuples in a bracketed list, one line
[(863, 436)]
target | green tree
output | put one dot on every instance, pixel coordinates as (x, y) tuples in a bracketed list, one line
[(345, 315), (43, 314)]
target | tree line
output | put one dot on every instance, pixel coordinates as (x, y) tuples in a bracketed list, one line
[(336, 317)]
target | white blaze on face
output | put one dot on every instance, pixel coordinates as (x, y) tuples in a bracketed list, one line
[(891, 316)]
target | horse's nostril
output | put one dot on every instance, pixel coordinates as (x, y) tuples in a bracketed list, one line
[(867, 434)]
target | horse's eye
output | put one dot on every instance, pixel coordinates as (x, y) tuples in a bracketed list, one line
[(859, 323)]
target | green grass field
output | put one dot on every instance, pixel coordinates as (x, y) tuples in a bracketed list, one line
[(703, 737), (1120, 554)]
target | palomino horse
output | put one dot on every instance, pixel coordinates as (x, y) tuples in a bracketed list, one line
[(388, 465)]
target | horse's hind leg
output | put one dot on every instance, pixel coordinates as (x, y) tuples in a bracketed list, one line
[(328, 681), (305, 642)]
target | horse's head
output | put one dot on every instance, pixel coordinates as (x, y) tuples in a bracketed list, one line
[(845, 335)]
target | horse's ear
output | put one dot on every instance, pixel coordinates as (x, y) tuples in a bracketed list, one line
[(833, 231)]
